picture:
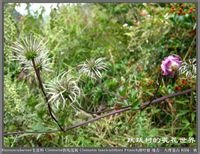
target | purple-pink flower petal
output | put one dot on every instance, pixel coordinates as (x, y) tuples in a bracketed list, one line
[(170, 64)]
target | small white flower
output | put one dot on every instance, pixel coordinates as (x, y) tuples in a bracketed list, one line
[(125, 25), (62, 89), (93, 68)]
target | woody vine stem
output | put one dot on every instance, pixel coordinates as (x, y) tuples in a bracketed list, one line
[(111, 112), (37, 72)]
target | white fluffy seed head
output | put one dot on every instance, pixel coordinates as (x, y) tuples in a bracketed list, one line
[(63, 89), (93, 68), (28, 48)]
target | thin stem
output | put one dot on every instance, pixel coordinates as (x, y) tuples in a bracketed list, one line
[(45, 96), (153, 97), (189, 49), (156, 91), (127, 108)]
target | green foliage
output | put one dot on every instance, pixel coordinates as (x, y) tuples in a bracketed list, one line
[(133, 38)]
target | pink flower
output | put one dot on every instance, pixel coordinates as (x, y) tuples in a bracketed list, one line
[(170, 65)]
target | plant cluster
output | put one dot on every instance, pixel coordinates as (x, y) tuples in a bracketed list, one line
[(105, 65)]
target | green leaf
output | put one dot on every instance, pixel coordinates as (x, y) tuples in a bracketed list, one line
[(133, 96), (39, 127), (136, 105), (190, 133)]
